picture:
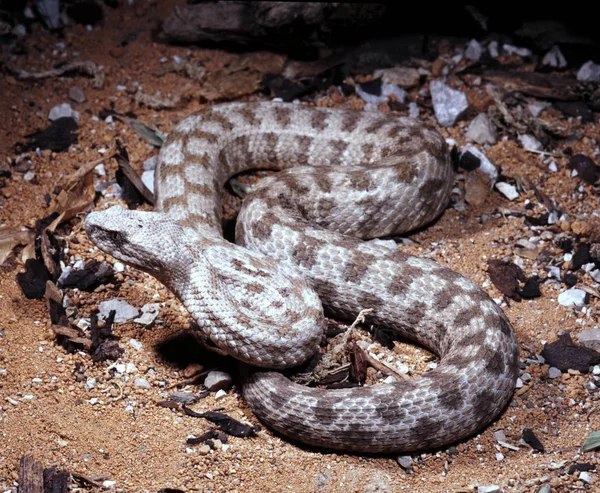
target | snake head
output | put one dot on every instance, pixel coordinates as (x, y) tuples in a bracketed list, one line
[(145, 240)]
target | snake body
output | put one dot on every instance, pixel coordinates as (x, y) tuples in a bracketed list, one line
[(346, 176)]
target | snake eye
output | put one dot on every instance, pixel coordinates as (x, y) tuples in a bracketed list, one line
[(115, 236)]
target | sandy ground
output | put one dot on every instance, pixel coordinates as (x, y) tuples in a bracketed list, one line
[(123, 436)]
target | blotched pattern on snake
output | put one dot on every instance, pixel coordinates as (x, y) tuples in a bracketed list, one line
[(346, 176)]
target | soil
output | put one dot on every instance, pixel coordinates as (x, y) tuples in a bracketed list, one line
[(108, 429)]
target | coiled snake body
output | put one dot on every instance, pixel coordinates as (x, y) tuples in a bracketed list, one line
[(347, 176)]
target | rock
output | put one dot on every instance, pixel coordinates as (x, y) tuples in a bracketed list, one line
[(482, 130), (148, 179), (63, 110), (204, 449), (108, 484), (386, 91), (586, 168), (589, 71), (493, 49), (500, 436), (489, 489), (554, 373), (149, 313), (532, 440), (474, 50), (124, 311), (554, 58), (405, 462), (76, 94), (448, 103), (526, 377), (535, 109), (217, 380), (595, 275), (137, 345), (590, 338), (508, 190), (150, 163), (572, 297), (586, 477), (472, 158), (499, 456), (184, 397), (142, 383), (221, 394), (413, 110), (565, 355), (516, 50), (405, 77), (530, 143)]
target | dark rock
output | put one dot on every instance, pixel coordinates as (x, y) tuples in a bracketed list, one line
[(469, 162), (532, 440), (93, 274), (565, 355), (575, 109), (506, 276), (33, 280), (581, 257), (61, 133), (582, 466), (585, 167)]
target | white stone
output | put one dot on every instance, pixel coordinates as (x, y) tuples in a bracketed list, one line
[(554, 372), (508, 190), (589, 71), (149, 313), (485, 164), (124, 311), (482, 130), (142, 383), (221, 394), (217, 380), (62, 110), (586, 477), (448, 103), (530, 143), (148, 179), (136, 344), (590, 338), (572, 297), (489, 489), (554, 58), (474, 50)]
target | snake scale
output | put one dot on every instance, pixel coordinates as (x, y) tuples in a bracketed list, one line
[(306, 246)]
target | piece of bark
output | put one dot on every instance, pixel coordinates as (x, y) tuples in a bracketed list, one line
[(548, 86), (31, 475)]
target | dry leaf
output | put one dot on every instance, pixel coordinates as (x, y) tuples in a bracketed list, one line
[(8, 242)]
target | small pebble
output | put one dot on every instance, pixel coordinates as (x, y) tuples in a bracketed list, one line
[(63, 110), (108, 485), (76, 94), (500, 436), (142, 383), (136, 344), (405, 462), (554, 372), (221, 394), (217, 380), (204, 450), (530, 143), (448, 103), (482, 130), (508, 190), (489, 489), (149, 313), (184, 397), (589, 71), (586, 477)]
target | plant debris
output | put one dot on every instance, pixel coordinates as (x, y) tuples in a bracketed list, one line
[(227, 424)]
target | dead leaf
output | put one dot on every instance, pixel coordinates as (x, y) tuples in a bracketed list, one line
[(9, 241)]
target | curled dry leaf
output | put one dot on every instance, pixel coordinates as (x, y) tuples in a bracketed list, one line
[(9, 241)]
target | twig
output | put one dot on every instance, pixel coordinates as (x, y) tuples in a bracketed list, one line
[(381, 366), (88, 167), (85, 67)]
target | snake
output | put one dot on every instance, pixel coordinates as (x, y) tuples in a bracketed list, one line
[(308, 245)]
